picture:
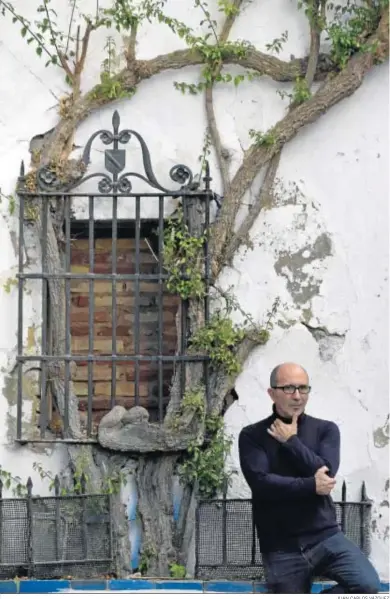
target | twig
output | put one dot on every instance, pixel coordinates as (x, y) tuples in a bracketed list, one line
[(25, 24), (70, 27), (209, 102)]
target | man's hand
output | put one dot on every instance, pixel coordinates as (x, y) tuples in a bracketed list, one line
[(324, 483), (281, 431)]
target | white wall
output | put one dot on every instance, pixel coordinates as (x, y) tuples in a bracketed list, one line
[(322, 251)]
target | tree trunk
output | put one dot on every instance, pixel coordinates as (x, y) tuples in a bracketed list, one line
[(155, 505)]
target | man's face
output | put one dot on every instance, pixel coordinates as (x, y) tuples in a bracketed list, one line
[(288, 404)]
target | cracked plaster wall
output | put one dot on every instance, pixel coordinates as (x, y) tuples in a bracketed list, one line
[(322, 247)]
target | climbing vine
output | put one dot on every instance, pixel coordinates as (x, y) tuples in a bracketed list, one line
[(358, 38)]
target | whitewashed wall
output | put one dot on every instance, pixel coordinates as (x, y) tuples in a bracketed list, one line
[(323, 250)]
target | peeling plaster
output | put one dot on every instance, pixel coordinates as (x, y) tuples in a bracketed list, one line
[(302, 285), (381, 438), (328, 343)]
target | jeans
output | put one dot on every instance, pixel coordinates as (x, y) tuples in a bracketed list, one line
[(336, 559)]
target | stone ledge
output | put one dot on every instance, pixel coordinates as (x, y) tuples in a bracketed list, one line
[(144, 584)]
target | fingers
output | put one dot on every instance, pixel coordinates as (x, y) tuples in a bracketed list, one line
[(323, 469), (295, 418)]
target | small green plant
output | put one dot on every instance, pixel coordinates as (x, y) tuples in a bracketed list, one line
[(277, 44), (147, 554), (263, 139), (183, 258), (13, 483), (205, 465), (350, 28), (9, 284), (301, 92), (177, 571), (219, 339)]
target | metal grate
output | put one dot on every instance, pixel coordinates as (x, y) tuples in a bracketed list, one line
[(114, 187), (226, 542), (49, 537)]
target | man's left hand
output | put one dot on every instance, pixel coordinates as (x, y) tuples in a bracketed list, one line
[(281, 431)]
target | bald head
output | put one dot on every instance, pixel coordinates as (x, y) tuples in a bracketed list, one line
[(285, 370)]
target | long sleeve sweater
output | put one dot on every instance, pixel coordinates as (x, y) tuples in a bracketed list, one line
[(287, 511)]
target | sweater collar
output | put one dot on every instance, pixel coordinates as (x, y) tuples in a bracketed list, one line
[(301, 417)]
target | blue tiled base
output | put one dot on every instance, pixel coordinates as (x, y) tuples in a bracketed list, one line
[(144, 584)]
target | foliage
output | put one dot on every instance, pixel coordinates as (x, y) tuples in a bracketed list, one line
[(219, 339), (147, 554), (348, 32), (277, 44), (262, 139), (14, 483), (177, 571), (183, 258), (111, 484), (205, 465)]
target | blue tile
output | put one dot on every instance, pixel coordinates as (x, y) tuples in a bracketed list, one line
[(7, 586), (184, 585), (226, 586), (43, 586), (260, 587), (88, 585), (385, 587), (134, 584)]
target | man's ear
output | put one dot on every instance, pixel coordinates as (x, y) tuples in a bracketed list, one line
[(271, 393)]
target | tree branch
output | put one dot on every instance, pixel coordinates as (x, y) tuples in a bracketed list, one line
[(209, 103), (130, 50), (333, 91)]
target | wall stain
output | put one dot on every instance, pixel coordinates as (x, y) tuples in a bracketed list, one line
[(301, 285), (381, 437)]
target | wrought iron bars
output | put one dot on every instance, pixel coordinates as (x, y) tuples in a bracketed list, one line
[(49, 192), (226, 544), (55, 536)]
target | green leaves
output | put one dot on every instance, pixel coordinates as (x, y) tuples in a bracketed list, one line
[(350, 28), (219, 339), (183, 259), (260, 138), (205, 466)]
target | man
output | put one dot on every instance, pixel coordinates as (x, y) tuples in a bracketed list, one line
[(290, 461)]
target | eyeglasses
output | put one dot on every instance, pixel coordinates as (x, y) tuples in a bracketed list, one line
[(290, 389)]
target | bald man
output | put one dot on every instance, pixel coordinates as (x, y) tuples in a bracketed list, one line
[(290, 461)]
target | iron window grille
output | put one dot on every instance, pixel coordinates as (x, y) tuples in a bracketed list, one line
[(115, 185)]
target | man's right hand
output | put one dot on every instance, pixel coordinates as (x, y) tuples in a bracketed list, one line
[(324, 483)]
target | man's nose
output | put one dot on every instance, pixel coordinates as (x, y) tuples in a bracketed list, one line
[(296, 394)]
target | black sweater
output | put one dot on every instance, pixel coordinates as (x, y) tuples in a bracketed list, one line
[(287, 511)]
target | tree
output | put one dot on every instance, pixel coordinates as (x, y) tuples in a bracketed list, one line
[(358, 36)]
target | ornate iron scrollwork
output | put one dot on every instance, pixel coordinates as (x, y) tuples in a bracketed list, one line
[(112, 181)]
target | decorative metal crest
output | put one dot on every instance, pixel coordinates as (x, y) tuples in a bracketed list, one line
[(115, 162)]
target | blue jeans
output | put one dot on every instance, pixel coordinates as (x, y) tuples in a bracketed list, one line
[(336, 559)]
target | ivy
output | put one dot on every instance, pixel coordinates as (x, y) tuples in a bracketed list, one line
[(204, 466), (277, 44), (183, 259), (261, 138), (219, 339), (350, 28)]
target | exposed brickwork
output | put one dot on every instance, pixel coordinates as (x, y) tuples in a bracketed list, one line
[(102, 344)]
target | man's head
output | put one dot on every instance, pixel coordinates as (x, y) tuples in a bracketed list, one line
[(289, 389)]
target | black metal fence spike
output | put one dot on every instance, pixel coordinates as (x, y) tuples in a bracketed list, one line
[(57, 485), (1, 488), (29, 485), (344, 491), (83, 482), (363, 492), (22, 169)]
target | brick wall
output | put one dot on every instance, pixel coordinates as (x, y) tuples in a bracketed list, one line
[(125, 372)]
